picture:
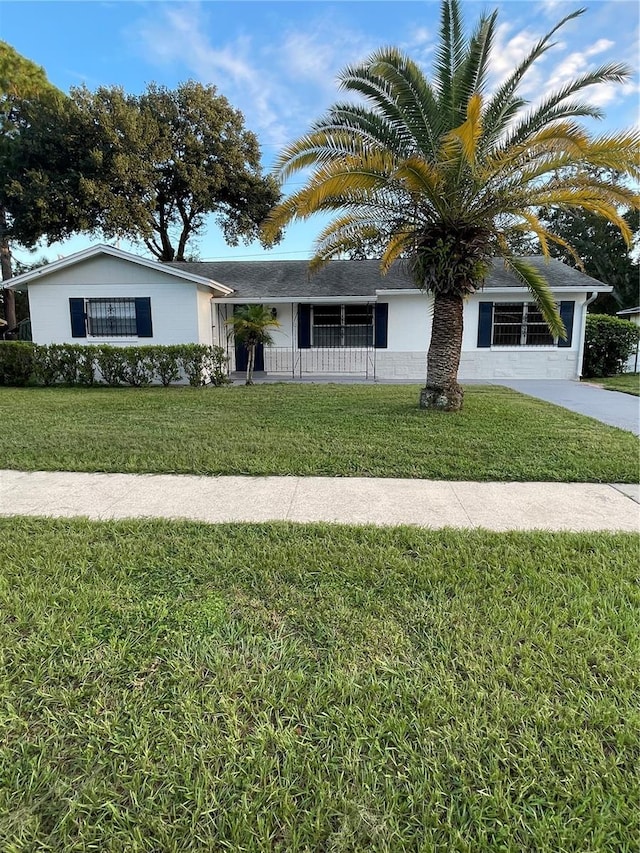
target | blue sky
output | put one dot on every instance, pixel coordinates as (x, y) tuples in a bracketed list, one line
[(278, 61)]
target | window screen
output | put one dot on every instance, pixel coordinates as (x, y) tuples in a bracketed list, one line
[(519, 324), (111, 318), (342, 325)]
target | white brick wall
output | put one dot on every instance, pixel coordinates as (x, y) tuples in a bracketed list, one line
[(483, 365), (410, 366), (521, 364)]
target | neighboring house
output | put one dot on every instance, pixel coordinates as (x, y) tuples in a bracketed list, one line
[(345, 319), (633, 315)]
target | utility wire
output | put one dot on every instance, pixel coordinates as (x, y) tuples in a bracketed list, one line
[(263, 255)]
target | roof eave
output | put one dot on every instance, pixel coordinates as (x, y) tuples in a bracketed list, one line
[(20, 281), (567, 288), (604, 288), (277, 300)]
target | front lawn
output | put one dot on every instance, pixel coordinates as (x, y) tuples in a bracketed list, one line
[(322, 430), (179, 687), (629, 383)]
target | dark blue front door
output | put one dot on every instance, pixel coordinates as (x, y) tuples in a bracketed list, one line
[(242, 357)]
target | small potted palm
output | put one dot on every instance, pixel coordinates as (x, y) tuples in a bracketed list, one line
[(251, 325)]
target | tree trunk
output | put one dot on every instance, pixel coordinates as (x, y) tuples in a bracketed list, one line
[(250, 362), (441, 390), (9, 296), (182, 243), (168, 252), (185, 233)]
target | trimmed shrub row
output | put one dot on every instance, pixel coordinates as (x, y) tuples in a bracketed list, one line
[(74, 364), (608, 344)]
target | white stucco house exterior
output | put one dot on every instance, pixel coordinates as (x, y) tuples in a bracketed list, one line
[(345, 319)]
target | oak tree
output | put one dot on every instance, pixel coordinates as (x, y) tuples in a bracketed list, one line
[(157, 164), (23, 88)]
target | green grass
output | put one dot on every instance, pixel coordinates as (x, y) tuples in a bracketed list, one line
[(337, 430), (178, 687), (629, 383)]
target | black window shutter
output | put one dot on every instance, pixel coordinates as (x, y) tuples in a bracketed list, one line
[(485, 313), (381, 324), (78, 322), (304, 326), (143, 317), (566, 315)]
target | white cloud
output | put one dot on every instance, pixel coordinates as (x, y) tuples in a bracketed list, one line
[(178, 34), (320, 51), (576, 63), (307, 56), (281, 84), (543, 78), (599, 46), (419, 45), (284, 82), (419, 37), (508, 53)]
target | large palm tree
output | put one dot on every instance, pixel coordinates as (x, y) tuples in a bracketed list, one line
[(442, 174), (251, 325)]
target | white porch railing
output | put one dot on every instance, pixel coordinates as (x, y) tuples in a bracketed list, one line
[(322, 361)]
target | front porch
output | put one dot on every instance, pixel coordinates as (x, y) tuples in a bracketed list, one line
[(312, 341)]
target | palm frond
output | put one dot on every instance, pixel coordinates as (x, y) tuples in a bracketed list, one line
[(449, 58), (343, 242), (386, 80), (532, 223), (583, 199), (473, 74), (346, 182), (499, 109), (365, 124), (423, 181), (316, 148), (615, 72), (564, 244), (616, 152), (561, 136), (356, 233), (397, 245), (414, 96), (465, 138)]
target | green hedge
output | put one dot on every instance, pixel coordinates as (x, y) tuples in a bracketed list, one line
[(16, 362), (608, 344), (75, 364)]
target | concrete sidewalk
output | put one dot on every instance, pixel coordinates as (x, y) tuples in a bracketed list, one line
[(357, 500)]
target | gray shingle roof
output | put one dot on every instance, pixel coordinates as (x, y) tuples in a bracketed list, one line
[(278, 279)]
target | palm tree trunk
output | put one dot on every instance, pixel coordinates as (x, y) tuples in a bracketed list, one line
[(441, 389), (250, 362)]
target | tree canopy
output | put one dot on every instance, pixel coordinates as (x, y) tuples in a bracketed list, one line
[(147, 167), (24, 89), (442, 172)]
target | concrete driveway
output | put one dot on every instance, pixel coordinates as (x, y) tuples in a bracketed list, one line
[(610, 407)]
